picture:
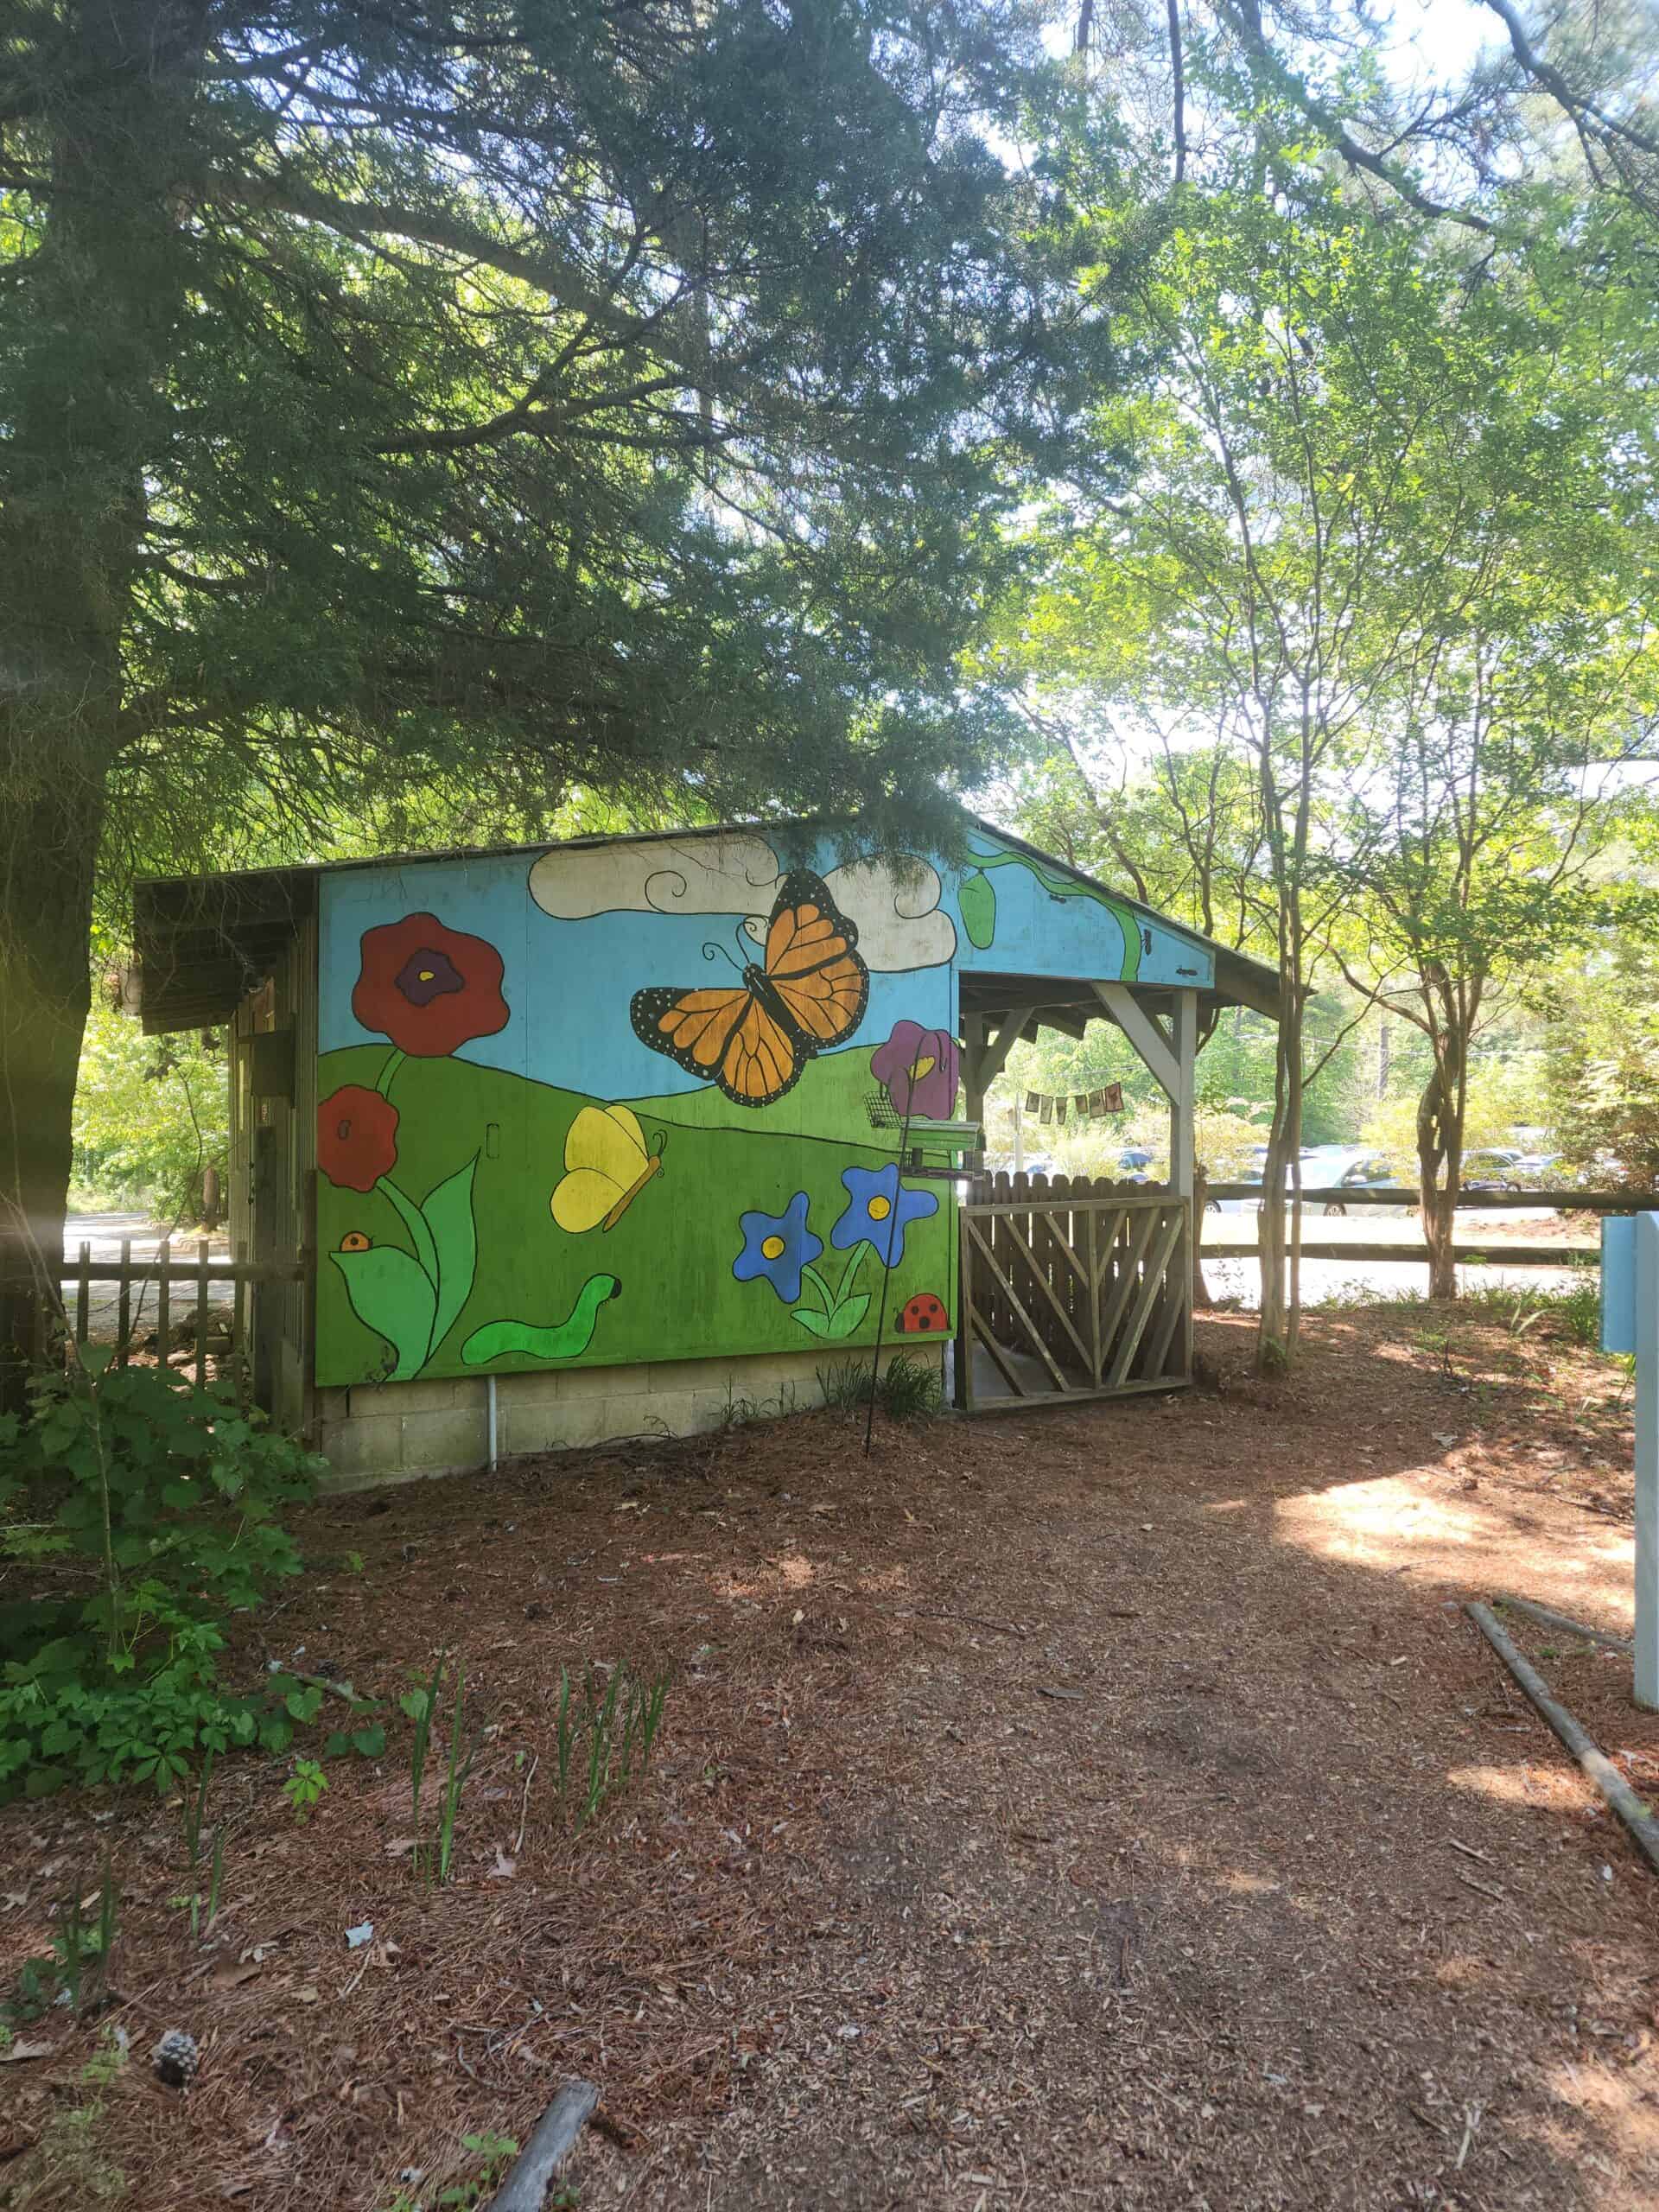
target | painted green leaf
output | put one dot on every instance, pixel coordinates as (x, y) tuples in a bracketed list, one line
[(448, 1212), (847, 1315), (978, 900), (841, 1320), (414, 1220), (390, 1294)]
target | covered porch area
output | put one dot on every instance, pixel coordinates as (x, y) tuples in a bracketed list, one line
[(1078, 1287)]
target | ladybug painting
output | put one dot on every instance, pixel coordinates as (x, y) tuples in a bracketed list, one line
[(924, 1316)]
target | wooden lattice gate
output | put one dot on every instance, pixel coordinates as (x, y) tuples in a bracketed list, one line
[(1071, 1289)]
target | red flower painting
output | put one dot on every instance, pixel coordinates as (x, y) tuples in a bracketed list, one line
[(356, 1137), (429, 989)]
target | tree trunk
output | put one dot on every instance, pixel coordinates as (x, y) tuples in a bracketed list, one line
[(1279, 1224), (82, 393), (1439, 1214), (1439, 1160), (1200, 1204), (48, 848)]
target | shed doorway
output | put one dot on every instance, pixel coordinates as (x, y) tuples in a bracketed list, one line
[(1073, 1287)]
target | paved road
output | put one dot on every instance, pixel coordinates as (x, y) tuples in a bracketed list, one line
[(104, 1232), (1336, 1282), (1327, 1283)]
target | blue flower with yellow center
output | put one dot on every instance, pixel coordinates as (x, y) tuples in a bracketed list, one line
[(879, 1210), (777, 1246)]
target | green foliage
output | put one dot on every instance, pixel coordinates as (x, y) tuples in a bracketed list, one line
[(303, 1789), (1576, 1310), (168, 1499), (65, 2168), (1353, 673), (769, 326), (907, 1389), (151, 1114), (1505, 1091), (78, 1972), (495, 2152), (420, 1705), (457, 1767), (82, 1947), (1602, 1062), (620, 1723), (845, 1384), (31, 1993)]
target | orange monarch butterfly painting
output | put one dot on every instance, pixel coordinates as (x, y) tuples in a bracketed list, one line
[(808, 991)]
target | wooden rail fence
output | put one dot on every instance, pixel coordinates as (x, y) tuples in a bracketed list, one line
[(147, 1308), (1504, 1251), (1405, 1194)]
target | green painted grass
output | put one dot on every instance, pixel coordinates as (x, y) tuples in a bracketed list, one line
[(671, 1252)]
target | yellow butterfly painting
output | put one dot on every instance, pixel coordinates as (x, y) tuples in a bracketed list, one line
[(607, 1163)]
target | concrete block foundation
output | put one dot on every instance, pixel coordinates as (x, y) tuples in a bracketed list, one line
[(375, 1433)]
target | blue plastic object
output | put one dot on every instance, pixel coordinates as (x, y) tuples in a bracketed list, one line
[(1619, 1282)]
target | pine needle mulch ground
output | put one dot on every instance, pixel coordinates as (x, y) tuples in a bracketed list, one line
[(1107, 1806)]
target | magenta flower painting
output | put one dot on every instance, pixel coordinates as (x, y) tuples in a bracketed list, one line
[(917, 1068)]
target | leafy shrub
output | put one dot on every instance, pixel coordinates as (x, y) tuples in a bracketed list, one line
[(1576, 1308), (907, 1389), (144, 1510)]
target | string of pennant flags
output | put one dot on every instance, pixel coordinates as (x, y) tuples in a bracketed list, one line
[(1084, 1105)]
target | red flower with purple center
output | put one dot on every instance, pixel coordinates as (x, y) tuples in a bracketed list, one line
[(356, 1137), (918, 1068), (429, 989)]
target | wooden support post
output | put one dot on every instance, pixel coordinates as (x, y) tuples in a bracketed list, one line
[(973, 1085), (1183, 1104), (124, 1304), (1143, 1033)]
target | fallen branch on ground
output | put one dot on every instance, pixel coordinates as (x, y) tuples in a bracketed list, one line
[(1547, 1616), (1644, 1829)]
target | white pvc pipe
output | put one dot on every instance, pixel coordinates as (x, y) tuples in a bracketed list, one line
[(489, 1386)]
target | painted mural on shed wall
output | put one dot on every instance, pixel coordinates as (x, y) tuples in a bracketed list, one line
[(641, 1100)]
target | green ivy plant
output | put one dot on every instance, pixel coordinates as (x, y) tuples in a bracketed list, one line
[(142, 1510)]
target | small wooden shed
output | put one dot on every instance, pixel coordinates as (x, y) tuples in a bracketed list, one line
[(591, 1140)]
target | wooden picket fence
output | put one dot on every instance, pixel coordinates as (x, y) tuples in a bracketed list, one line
[(166, 1305), (1073, 1287)]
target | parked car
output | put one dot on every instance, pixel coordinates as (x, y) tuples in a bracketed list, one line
[(1535, 1170), (1316, 1165), (1372, 1173), (1491, 1167)]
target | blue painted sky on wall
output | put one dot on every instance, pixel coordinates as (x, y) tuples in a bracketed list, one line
[(571, 973), (570, 983), (1040, 930)]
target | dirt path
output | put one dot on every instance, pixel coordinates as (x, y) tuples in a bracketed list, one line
[(1105, 1807)]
